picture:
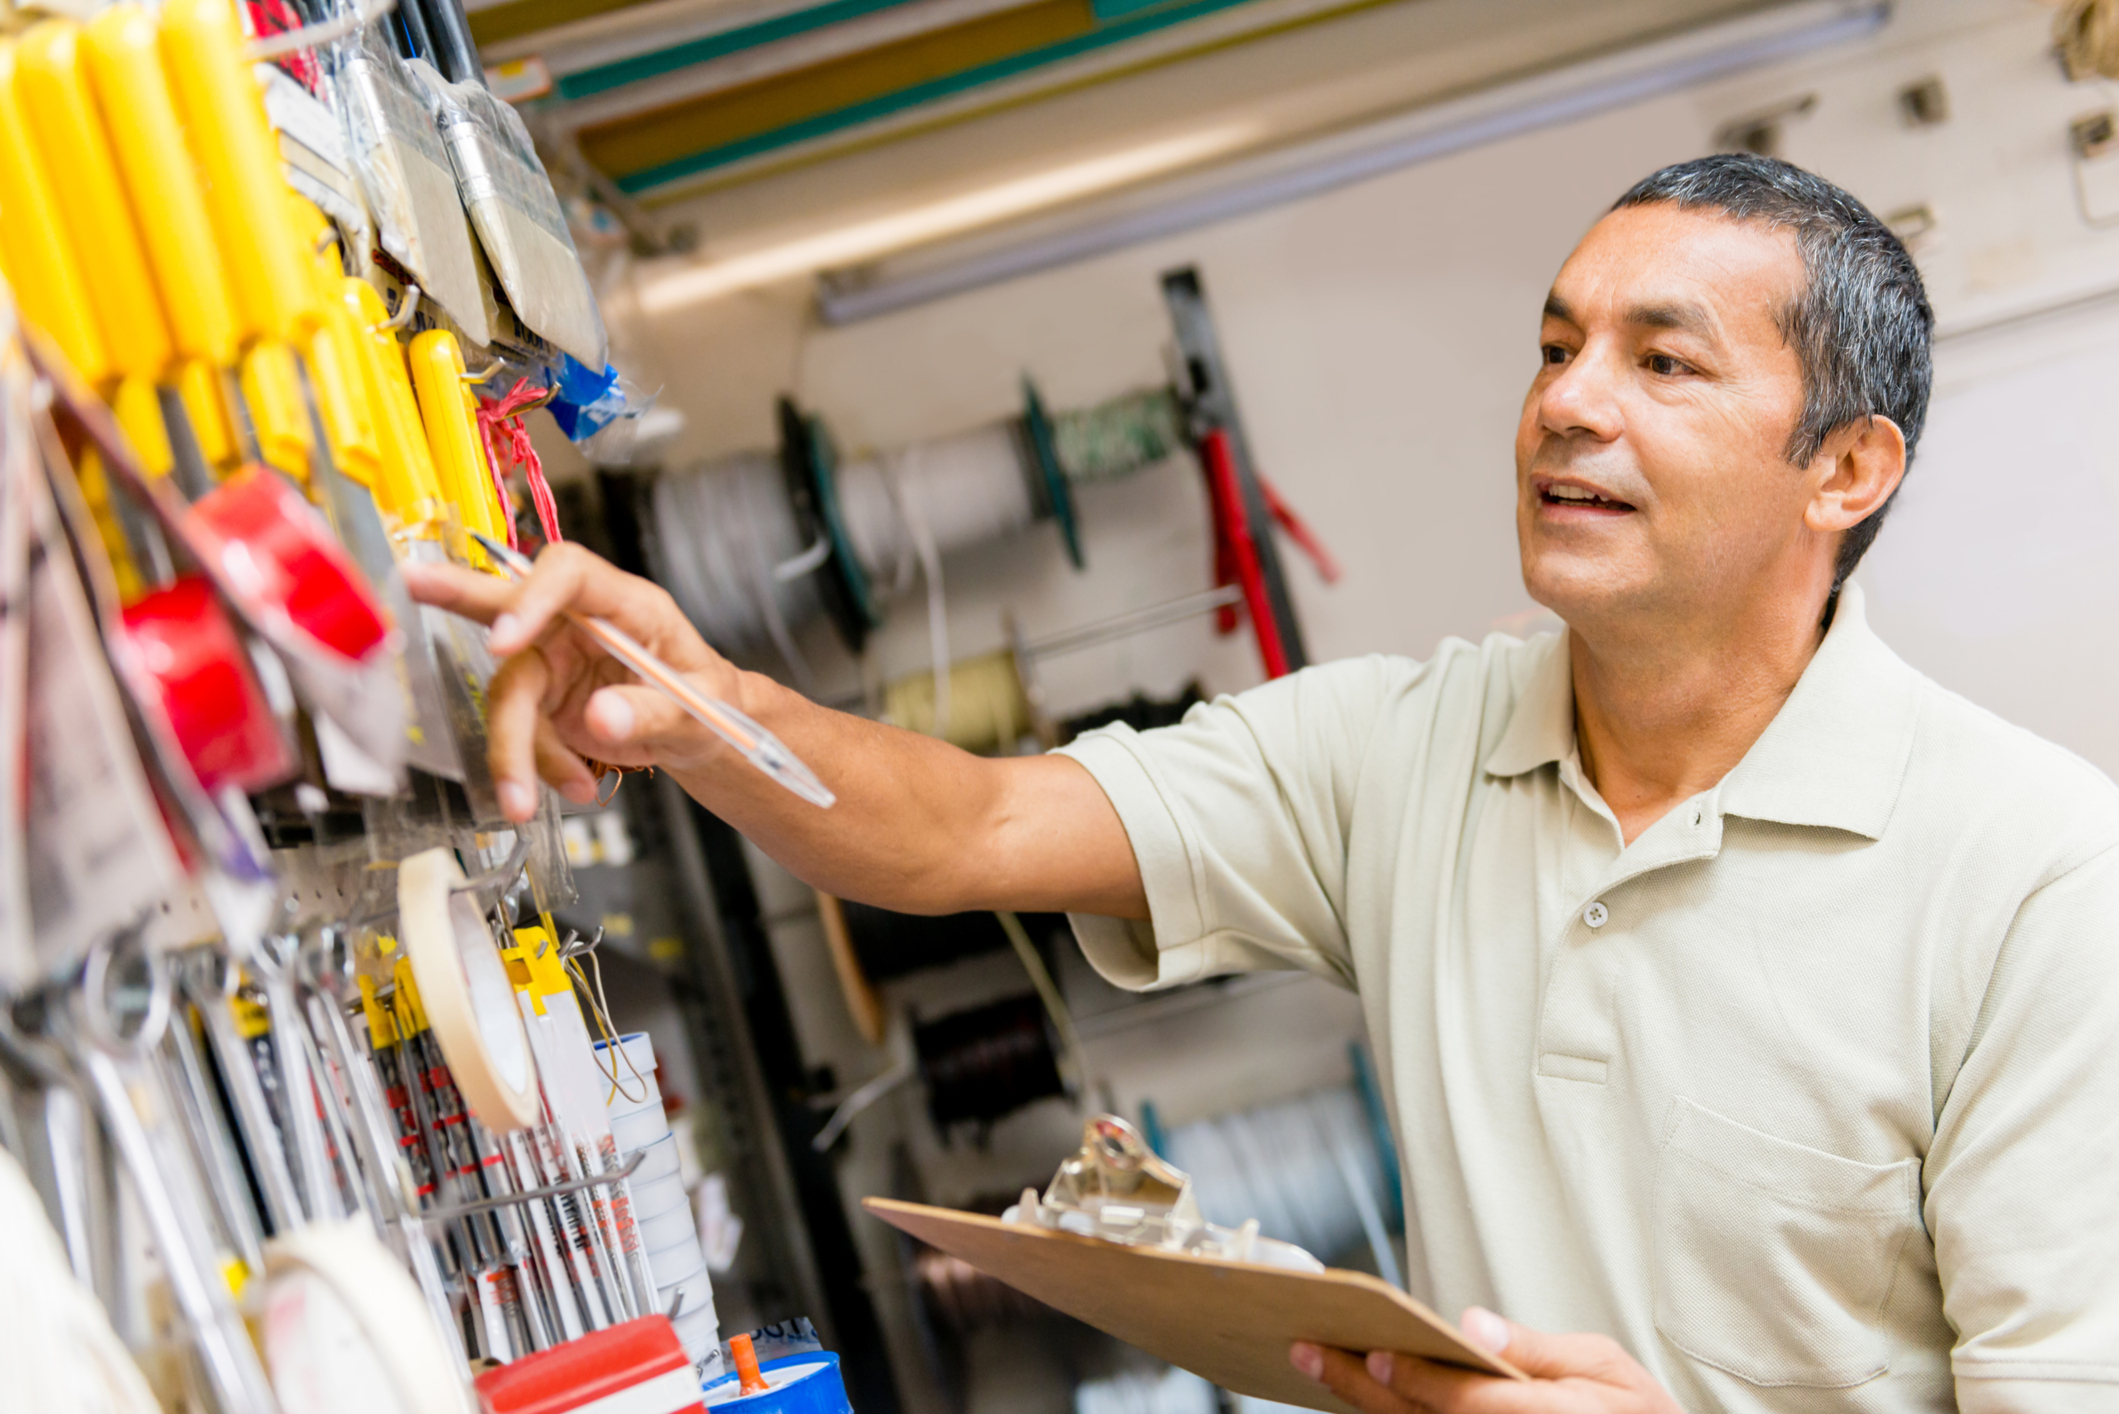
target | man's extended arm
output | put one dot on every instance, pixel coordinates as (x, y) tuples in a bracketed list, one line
[(919, 826)]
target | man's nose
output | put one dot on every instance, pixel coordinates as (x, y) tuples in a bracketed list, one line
[(1582, 399)]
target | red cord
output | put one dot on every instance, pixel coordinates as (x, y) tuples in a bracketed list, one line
[(500, 425)]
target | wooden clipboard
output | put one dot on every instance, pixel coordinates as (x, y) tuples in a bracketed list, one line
[(1229, 1322)]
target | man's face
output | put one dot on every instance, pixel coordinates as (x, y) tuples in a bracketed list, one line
[(1650, 477)]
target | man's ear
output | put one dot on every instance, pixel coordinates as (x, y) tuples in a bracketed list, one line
[(1858, 468)]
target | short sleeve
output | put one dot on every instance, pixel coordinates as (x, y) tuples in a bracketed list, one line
[(1238, 817), (2022, 1172)]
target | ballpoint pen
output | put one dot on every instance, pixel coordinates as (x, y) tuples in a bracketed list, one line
[(757, 745)]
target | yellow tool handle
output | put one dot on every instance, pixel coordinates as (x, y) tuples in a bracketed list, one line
[(203, 387), (40, 265), (451, 420), (224, 120), (406, 490), (382, 1030), (103, 510), (272, 388), (333, 354), (139, 413), (125, 67), (404, 1001), (335, 373), (98, 219)]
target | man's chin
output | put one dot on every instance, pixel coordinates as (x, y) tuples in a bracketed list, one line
[(1583, 593)]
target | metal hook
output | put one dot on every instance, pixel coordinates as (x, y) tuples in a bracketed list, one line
[(404, 313), (575, 947), (502, 875), (446, 1211), (484, 373)]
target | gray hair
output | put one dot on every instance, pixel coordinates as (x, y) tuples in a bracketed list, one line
[(1861, 326)]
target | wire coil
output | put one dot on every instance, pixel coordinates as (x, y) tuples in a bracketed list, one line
[(1308, 1169)]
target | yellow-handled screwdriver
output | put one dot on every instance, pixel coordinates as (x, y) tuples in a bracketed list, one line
[(450, 415)]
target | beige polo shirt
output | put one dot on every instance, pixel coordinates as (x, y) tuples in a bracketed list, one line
[(1809, 1096)]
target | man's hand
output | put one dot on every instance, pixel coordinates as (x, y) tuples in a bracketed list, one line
[(1570, 1374), (558, 699)]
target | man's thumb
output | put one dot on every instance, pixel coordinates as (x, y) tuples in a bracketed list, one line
[(1528, 1350)]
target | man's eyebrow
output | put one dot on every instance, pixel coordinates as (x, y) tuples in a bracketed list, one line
[(1556, 308), (1686, 318)]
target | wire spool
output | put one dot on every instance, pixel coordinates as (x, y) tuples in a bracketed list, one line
[(989, 703), (987, 1062), (892, 945), (1140, 712), (965, 490), (465, 990), (810, 462), (757, 545), (1308, 1169), (1119, 437), (723, 527)]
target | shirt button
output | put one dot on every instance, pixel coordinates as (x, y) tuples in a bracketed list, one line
[(1596, 915)]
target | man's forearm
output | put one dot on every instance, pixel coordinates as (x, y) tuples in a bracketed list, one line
[(921, 826)]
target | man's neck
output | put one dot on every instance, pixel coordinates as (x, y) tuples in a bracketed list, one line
[(1662, 716)]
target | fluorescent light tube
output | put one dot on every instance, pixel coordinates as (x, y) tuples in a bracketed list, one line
[(866, 240)]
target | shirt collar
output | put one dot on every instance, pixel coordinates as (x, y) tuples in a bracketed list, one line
[(1833, 756), (1542, 728)]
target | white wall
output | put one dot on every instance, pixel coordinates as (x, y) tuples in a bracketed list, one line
[(1381, 335)]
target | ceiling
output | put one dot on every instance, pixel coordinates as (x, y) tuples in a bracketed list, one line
[(674, 98), (782, 137)]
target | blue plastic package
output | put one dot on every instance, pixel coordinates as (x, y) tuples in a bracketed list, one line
[(801, 1384)]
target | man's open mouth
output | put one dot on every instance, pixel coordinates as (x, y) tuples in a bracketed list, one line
[(1581, 498)]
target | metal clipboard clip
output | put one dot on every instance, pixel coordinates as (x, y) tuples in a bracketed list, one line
[(1118, 1189)]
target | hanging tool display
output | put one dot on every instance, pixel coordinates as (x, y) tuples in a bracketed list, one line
[(759, 544), (281, 994)]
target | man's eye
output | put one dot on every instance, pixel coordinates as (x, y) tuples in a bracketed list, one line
[(1663, 365), (1554, 353)]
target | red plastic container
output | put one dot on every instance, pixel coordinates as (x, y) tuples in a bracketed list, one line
[(182, 640), (280, 556), (636, 1368)]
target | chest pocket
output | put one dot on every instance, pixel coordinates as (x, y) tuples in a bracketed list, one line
[(1773, 1260)]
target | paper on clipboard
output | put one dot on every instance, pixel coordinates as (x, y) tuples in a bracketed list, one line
[(1229, 1322)]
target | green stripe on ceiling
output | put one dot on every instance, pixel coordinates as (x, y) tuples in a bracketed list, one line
[(679, 56), (822, 124)]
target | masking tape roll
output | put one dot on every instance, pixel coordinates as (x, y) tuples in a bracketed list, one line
[(464, 987), (345, 1329)]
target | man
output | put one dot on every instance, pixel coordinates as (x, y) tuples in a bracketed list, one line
[(1746, 1000)]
